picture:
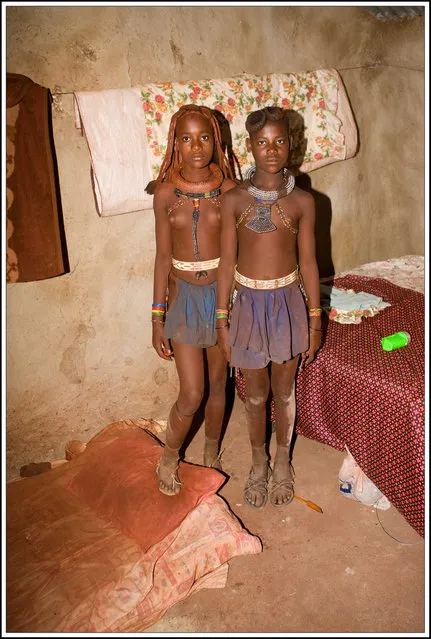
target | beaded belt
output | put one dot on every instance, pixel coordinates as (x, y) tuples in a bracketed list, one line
[(195, 266), (266, 284)]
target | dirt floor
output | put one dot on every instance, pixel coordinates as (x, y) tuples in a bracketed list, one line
[(336, 572)]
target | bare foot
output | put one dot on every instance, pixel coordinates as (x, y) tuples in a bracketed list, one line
[(282, 482), (211, 454), (169, 483)]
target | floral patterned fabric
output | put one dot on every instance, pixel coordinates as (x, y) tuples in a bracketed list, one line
[(127, 129), (312, 96)]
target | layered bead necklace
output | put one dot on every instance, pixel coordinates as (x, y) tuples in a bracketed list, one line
[(261, 221), (197, 191)]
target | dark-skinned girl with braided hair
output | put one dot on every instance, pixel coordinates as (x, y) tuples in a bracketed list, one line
[(194, 174)]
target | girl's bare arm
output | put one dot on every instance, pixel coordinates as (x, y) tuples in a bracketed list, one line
[(310, 274), (228, 255), (162, 267), (307, 251)]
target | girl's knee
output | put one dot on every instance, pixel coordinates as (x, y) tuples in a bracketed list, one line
[(285, 397), (189, 402), (256, 401)]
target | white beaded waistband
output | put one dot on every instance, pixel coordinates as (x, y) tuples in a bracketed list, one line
[(266, 284), (195, 266)]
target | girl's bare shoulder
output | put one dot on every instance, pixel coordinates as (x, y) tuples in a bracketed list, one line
[(235, 192), (302, 195), (303, 199), (228, 185), (163, 192)]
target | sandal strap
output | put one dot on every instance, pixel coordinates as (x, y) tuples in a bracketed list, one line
[(283, 483), (260, 483), (175, 478)]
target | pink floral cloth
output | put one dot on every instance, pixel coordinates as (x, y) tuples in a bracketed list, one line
[(318, 96), (127, 129)]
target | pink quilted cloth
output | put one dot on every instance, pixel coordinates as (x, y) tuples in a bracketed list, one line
[(70, 571)]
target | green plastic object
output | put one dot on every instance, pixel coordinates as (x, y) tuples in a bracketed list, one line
[(397, 340)]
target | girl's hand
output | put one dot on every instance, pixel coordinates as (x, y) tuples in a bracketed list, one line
[(223, 343), (160, 343), (310, 354)]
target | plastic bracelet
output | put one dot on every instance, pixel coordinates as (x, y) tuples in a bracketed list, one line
[(222, 310), (318, 309), (158, 313), (158, 305), (314, 314), (224, 326)]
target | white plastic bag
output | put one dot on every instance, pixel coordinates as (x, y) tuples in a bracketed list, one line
[(354, 484)]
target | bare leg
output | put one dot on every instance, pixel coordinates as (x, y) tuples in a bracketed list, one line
[(283, 388), (215, 407), (189, 363), (257, 391)]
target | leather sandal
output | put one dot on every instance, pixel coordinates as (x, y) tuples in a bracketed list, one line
[(281, 486), (257, 485), (170, 487)]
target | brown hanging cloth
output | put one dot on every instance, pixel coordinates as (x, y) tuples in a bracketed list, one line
[(36, 246)]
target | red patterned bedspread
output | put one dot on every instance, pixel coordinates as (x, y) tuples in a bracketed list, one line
[(373, 401)]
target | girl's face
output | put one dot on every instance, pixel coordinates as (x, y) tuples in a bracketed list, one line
[(270, 147), (195, 141)]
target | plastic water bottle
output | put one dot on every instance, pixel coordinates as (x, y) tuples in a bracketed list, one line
[(397, 340)]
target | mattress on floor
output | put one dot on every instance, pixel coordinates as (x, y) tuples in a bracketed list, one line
[(70, 569)]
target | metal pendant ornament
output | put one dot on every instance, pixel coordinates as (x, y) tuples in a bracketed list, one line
[(261, 222)]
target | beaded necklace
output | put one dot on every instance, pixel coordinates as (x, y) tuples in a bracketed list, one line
[(261, 221), (196, 191)]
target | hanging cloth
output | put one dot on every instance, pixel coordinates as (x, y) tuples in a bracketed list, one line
[(36, 246)]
